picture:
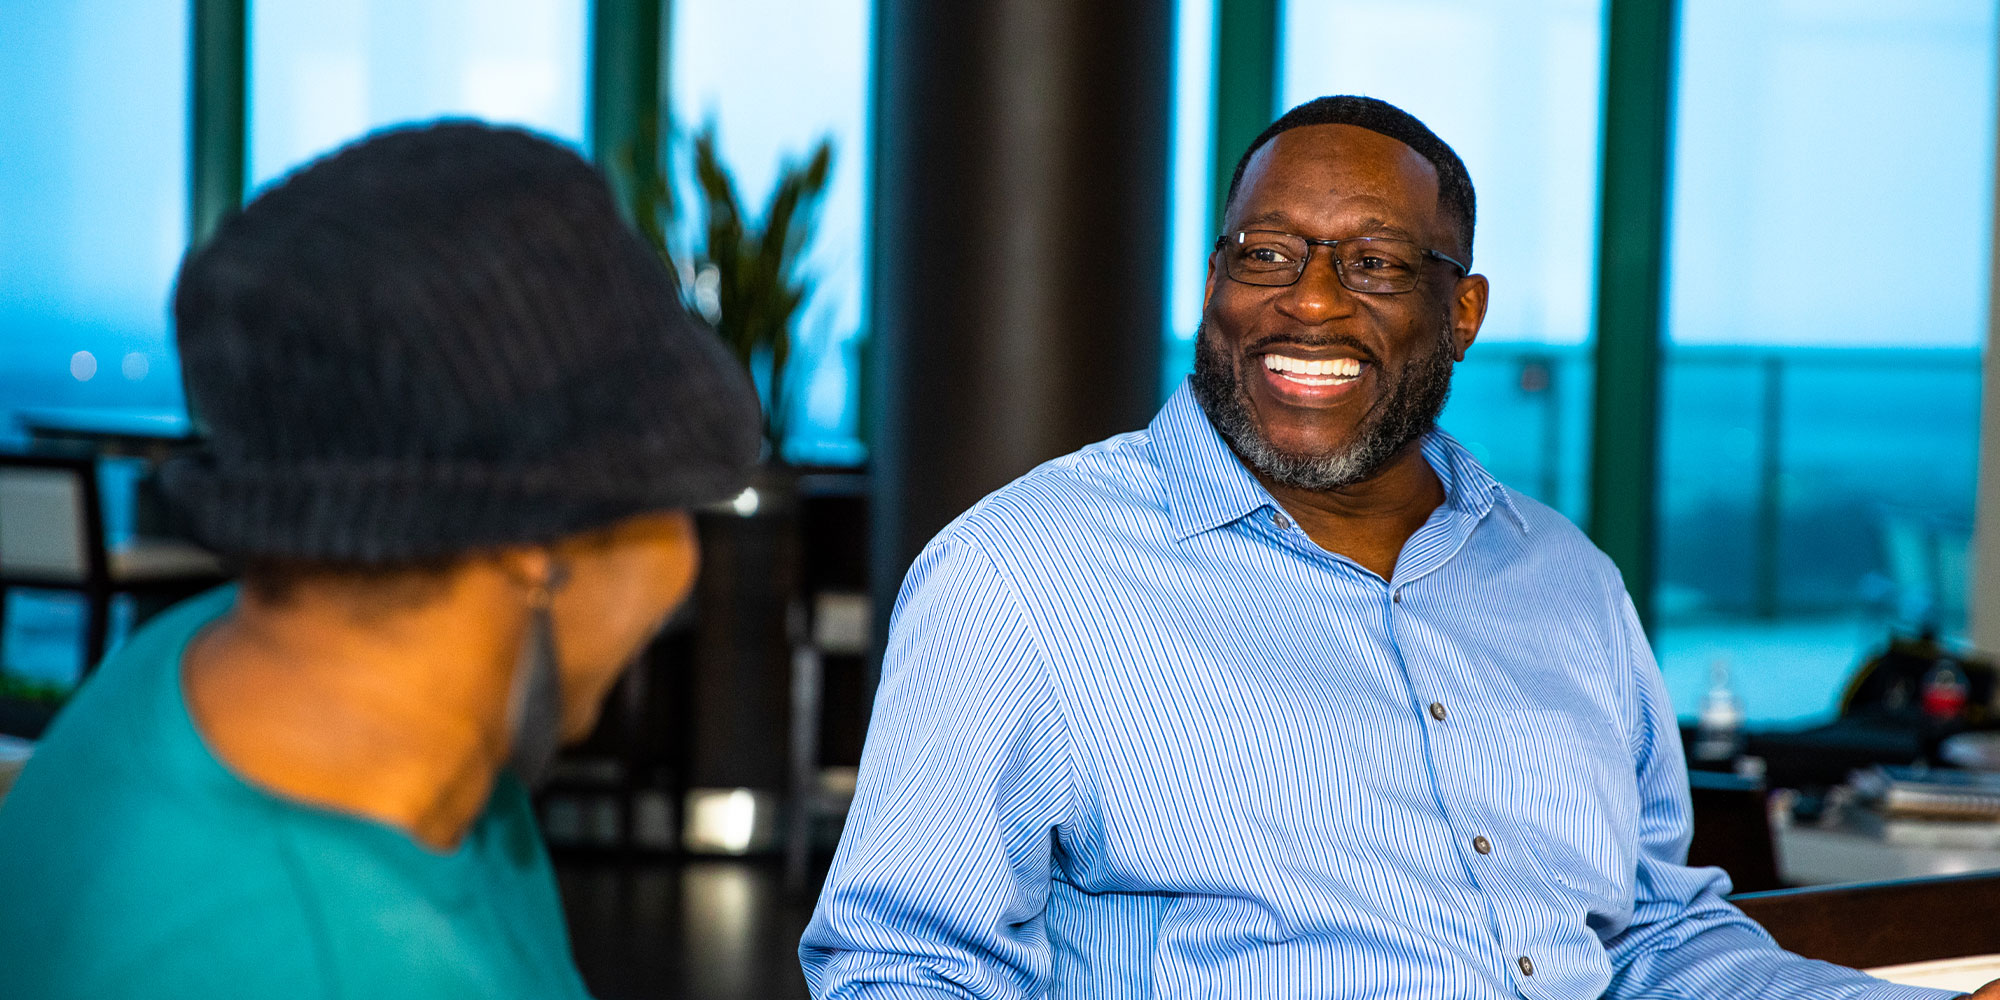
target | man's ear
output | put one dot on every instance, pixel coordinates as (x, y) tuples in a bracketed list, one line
[(1468, 311)]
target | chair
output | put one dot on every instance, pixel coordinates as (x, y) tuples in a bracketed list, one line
[(1732, 829), (52, 538)]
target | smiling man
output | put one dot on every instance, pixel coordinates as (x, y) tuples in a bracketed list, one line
[(1284, 695)]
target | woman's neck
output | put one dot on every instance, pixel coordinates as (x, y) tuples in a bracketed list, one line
[(398, 715)]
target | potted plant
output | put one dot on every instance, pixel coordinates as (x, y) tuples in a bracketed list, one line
[(749, 281), (747, 273), (753, 270)]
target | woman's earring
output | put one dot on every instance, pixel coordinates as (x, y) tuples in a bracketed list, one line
[(534, 711)]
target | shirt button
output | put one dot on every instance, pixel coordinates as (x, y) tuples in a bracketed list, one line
[(1396, 596), (1437, 710), (1278, 520), (1484, 846), (1527, 965)]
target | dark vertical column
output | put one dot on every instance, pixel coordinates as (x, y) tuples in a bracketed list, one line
[(218, 146), (1246, 88), (1639, 53), (1019, 246), (217, 81), (627, 46)]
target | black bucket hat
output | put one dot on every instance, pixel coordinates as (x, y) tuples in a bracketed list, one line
[(441, 339)]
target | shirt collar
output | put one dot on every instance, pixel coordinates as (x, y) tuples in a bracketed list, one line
[(1468, 487), (1207, 486)]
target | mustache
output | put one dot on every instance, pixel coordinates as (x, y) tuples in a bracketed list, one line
[(1269, 341)]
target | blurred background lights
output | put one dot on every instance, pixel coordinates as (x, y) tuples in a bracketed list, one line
[(135, 366), (723, 821), (83, 366)]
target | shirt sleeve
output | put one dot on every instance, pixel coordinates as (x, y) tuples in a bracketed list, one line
[(1685, 941), (941, 879)]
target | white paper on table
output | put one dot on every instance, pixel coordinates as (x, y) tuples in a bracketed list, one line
[(1962, 974)]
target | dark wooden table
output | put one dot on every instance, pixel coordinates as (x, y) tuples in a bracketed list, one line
[(140, 433)]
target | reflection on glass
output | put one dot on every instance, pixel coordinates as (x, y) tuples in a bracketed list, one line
[(93, 202), (322, 74), (1513, 87), (1826, 312), (1187, 220), (775, 76)]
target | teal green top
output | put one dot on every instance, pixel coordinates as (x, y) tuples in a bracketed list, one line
[(134, 864)]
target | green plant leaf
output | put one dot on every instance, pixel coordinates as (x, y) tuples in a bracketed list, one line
[(759, 283)]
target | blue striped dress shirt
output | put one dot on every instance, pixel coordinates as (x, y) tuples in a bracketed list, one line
[(1139, 737)]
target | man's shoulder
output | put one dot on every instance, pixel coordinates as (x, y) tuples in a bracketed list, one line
[(1549, 539), (1113, 480), (1546, 524)]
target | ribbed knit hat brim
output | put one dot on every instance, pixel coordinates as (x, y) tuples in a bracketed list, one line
[(393, 514)]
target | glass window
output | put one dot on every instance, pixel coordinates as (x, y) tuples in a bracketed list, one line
[(1193, 139), (93, 217), (774, 77), (322, 74), (1827, 307), (1514, 87), (93, 203)]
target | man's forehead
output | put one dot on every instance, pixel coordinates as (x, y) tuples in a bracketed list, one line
[(1345, 155)]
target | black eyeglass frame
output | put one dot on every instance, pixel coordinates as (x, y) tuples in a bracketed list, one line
[(1338, 271)]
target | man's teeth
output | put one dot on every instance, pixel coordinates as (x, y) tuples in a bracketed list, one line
[(1329, 372)]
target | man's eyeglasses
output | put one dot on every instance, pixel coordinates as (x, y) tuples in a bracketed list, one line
[(1363, 264)]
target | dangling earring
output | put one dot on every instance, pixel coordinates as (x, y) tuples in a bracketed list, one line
[(534, 711)]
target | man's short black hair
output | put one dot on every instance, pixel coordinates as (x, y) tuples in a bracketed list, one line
[(1454, 184)]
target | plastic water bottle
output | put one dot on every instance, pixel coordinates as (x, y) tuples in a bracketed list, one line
[(1719, 729)]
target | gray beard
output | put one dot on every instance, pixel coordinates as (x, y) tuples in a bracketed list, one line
[(1407, 413)]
